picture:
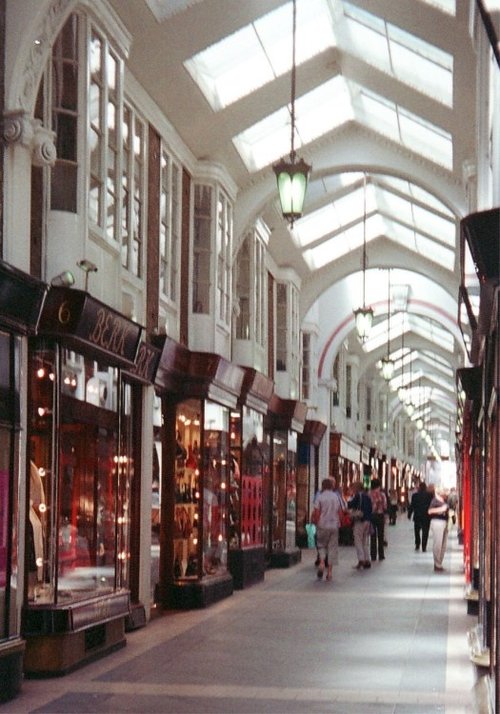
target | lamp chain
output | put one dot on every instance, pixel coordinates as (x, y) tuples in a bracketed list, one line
[(364, 239), (294, 26)]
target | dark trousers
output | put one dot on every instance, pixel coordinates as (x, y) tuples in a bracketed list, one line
[(377, 537), (421, 528)]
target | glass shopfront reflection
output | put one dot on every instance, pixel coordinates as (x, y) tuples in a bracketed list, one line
[(79, 501), (9, 482)]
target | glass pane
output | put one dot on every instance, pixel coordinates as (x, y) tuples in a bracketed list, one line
[(216, 474), (95, 57), (279, 490), (9, 480), (42, 522), (88, 477), (156, 494), (291, 491), (95, 106), (254, 465), (187, 491)]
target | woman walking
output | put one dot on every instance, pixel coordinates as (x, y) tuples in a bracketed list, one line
[(328, 506)]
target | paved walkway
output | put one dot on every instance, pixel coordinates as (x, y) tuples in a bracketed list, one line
[(389, 640)]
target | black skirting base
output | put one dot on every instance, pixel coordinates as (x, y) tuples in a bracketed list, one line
[(247, 566), (191, 595), (136, 617), (285, 558), (11, 669)]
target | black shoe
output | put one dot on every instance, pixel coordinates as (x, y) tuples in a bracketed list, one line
[(417, 547), (320, 573), (382, 557), (424, 550), (367, 564)]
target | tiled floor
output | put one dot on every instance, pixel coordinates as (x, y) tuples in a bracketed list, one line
[(389, 640)]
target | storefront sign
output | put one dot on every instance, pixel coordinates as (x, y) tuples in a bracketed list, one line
[(313, 432), (256, 391), (87, 322), (21, 299), (173, 368), (287, 414), (146, 363), (213, 377)]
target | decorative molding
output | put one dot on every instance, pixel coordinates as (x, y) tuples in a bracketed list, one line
[(43, 148), (46, 30), (20, 128), (39, 50)]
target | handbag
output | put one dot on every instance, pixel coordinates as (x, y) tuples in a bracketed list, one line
[(345, 519)]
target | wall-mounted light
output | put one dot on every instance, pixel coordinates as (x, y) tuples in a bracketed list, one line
[(88, 267), (65, 279), (292, 176)]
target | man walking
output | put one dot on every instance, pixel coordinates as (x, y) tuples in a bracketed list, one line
[(419, 505)]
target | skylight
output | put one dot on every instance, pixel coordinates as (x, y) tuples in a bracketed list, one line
[(395, 122), (400, 54), (317, 112), (261, 51), (336, 228)]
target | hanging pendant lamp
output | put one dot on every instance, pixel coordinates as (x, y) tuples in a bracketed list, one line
[(292, 175), (364, 315), (387, 362)]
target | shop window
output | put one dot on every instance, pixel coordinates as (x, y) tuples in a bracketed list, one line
[(169, 227), (202, 477), (79, 502), (348, 391), (243, 290), (132, 186), (224, 247), (281, 326), (202, 248), (248, 469), (9, 481), (249, 289), (306, 365)]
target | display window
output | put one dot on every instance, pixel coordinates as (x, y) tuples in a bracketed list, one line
[(9, 481), (81, 467), (202, 479), (284, 489), (248, 468)]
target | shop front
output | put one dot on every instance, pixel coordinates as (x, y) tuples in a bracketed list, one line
[(142, 374), (284, 421), (198, 391), (345, 457), (83, 422), (21, 300), (249, 473)]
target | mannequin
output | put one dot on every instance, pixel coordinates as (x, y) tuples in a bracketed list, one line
[(37, 499)]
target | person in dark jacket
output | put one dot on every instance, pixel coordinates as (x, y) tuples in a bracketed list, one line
[(419, 505), (360, 506)]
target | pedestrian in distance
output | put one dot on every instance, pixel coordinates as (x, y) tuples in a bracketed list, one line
[(379, 509), (418, 508), (327, 508), (360, 508), (438, 512)]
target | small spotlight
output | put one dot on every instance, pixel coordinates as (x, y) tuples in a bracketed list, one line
[(87, 266), (65, 279)]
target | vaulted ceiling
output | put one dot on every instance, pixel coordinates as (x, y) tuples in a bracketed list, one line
[(385, 113)]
